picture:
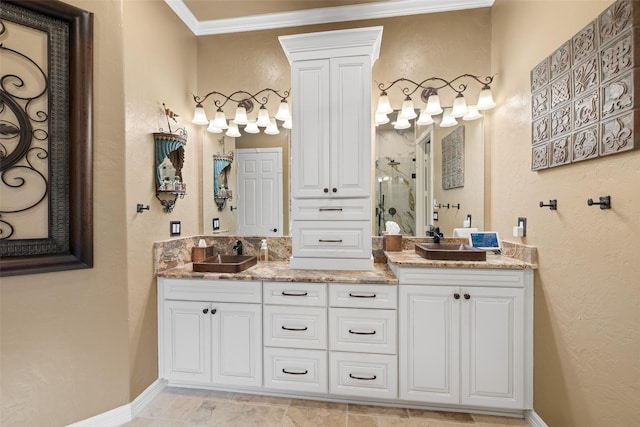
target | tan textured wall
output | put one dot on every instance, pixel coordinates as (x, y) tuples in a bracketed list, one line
[(64, 338), (416, 47), (587, 340), (160, 66)]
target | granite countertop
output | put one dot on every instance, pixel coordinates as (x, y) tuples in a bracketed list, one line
[(279, 271), (412, 259)]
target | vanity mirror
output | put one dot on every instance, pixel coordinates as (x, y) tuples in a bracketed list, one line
[(409, 177)]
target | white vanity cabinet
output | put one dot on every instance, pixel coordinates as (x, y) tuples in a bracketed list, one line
[(363, 358), (210, 332), (295, 336), (466, 337), (331, 147)]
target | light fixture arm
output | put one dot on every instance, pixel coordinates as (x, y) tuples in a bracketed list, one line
[(442, 83), (241, 97)]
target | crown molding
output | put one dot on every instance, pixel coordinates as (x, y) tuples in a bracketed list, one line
[(299, 18)]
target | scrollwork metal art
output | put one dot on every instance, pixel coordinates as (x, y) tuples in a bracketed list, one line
[(23, 136)]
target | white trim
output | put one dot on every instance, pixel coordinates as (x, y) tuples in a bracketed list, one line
[(125, 413), (382, 9), (534, 419)]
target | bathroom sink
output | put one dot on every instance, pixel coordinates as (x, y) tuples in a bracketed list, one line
[(450, 252), (225, 263)]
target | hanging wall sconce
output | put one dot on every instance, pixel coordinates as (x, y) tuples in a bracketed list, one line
[(429, 94), (245, 105)]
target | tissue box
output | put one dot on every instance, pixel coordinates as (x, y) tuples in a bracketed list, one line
[(392, 242), (198, 253)]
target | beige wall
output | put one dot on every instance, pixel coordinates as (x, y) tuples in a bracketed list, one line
[(587, 339), (78, 343)]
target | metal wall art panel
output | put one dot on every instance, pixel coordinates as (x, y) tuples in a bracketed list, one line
[(584, 103)]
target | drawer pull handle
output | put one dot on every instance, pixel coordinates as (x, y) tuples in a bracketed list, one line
[(330, 209), (294, 294), (305, 372), (352, 295), (371, 378), (362, 333), (330, 240), (304, 328)]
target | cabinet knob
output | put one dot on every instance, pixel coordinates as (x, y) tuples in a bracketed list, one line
[(275, 230), (213, 311), (205, 311), (456, 296), (467, 296), (335, 190), (326, 190)]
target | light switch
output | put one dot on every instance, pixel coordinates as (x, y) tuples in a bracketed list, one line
[(174, 228)]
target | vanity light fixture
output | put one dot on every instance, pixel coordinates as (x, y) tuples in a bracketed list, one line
[(245, 103), (429, 93)]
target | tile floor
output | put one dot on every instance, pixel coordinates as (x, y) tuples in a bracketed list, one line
[(176, 407)]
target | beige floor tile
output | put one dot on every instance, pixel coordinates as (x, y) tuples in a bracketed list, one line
[(354, 420), (441, 416), (154, 422), (261, 400), (232, 414), (491, 421), (378, 410), (318, 404), (303, 416), (171, 407)]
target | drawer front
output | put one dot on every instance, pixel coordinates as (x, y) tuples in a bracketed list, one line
[(331, 239), (363, 295), (294, 293), (297, 370), (331, 209), (366, 375), (361, 330), (212, 290), (297, 327)]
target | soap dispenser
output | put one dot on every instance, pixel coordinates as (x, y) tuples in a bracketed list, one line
[(264, 251)]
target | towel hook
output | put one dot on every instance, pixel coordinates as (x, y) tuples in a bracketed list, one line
[(553, 205), (605, 202)]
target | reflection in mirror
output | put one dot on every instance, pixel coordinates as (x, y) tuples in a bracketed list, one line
[(409, 178)]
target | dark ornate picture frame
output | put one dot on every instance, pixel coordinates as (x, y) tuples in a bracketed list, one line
[(69, 183)]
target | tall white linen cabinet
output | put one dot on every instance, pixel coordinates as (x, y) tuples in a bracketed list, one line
[(331, 144)]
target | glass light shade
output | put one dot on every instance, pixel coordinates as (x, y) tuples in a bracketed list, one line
[(272, 129), (233, 131), (220, 120), (288, 124), (408, 112), (485, 99), (199, 116), (241, 116), (263, 117), (447, 120), (472, 113), (283, 111), (402, 123), (459, 106), (212, 128), (433, 105), (251, 127), (381, 119), (424, 119), (384, 105)]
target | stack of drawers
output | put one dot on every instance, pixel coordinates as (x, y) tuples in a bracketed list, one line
[(295, 336), (363, 358)]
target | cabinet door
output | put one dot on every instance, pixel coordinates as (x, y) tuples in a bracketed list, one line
[(310, 135), (429, 344), (351, 126), (237, 344), (186, 343), (492, 359)]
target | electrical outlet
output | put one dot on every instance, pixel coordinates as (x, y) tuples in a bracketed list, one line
[(175, 228)]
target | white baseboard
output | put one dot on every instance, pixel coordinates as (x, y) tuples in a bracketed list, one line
[(534, 419), (124, 413)]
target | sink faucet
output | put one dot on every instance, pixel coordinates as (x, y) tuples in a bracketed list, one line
[(237, 248), (437, 235)]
